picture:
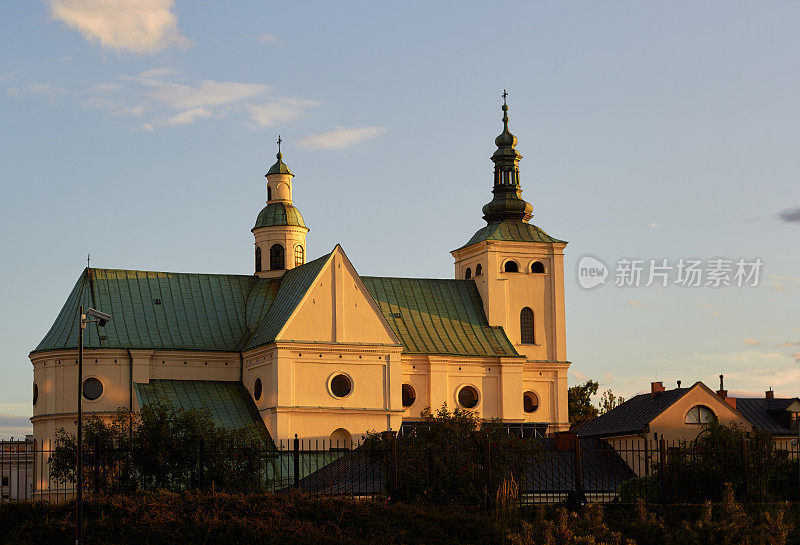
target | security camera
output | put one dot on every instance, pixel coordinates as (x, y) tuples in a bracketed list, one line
[(102, 317)]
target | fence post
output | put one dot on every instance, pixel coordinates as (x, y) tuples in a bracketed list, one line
[(296, 457), (662, 468), (487, 472), (202, 468), (96, 465), (393, 484), (579, 494), (745, 472)]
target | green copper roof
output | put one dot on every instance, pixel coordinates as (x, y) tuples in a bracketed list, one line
[(279, 213), (164, 310), (229, 403), (515, 231), (279, 167), (432, 316), (232, 313)]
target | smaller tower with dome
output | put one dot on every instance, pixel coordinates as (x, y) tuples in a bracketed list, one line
[(280, 232)]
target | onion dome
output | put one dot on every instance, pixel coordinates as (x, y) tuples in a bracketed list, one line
[(279, 214), (507, 203)]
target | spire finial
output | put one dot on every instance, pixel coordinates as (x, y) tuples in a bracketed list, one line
[(505, 94), (280, 155)]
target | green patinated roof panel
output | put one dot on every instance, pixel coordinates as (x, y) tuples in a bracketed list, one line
[(279, 213), (164, 310), (228, 403), (236, 312), (434, 316), (513, 231)]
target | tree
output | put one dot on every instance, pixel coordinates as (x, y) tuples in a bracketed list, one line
[(579, 398), (164, 446), (608, 401)]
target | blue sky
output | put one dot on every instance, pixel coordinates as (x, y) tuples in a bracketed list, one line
[(139, 131)]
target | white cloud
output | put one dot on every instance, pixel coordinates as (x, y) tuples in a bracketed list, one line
[(270, 39), (341, 137), (207, 93), (789, 343), (635, 303), (280, 111), (157, 73), (751, 342), (116, 108), (188, 116), (139, 26)]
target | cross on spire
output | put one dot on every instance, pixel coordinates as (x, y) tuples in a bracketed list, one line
[(504, 95), (279, 143)]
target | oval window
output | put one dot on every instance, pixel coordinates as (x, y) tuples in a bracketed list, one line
[(257, 389), (468, 397), (35, 393), (409, 395), (92, 388), (530, 402), (341, 385)]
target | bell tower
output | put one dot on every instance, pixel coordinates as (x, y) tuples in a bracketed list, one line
[(280, 232), (517, 267)]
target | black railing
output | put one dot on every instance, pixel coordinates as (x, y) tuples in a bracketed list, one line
[(552, 469)]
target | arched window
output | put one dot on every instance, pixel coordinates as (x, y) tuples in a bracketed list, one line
[(537, 267), (299, 255), (699, 414), (526, 326), (341, 439), (269, 193), (258, 258), (276, 258), (511, 266), (35, 394), (478, 270), (530, 402), (468, 274)]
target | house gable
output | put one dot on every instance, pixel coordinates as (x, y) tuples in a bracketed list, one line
[(672, 420), (338, 308)]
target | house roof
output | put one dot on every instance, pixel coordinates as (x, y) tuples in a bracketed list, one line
[(511, 230), (228, 403), (765, 414), (231, 313), (632, 416)]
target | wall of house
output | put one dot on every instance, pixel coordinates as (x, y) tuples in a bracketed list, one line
[(671, 423)]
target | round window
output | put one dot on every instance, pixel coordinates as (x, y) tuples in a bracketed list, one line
[(341, 385), (257, 389), (530, 402), (409, 395), (468, 397), (92, 388), (35, 394)]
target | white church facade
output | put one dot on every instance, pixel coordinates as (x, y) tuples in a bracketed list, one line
[(311, 347)]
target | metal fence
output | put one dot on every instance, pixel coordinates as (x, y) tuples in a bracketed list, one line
[(551, 469)]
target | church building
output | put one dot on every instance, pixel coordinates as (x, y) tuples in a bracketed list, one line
[(313, 348)]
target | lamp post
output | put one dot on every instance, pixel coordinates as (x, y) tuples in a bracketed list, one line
[(101, 318)]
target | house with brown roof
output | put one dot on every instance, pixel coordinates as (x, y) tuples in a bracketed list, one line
[(636, 427)]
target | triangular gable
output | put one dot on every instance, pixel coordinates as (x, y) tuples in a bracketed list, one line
[(337, 307), (712, 400)]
